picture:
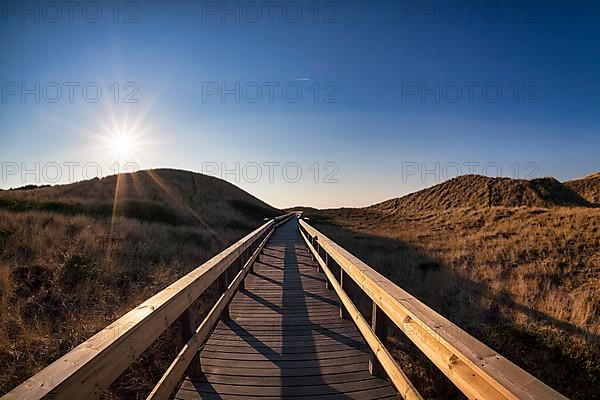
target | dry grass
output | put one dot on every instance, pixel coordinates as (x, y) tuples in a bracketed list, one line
[(524, 280), (68, 267), (476, 191), (588, 187)]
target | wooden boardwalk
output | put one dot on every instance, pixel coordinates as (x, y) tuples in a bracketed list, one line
[(285, 338), (276, 332)]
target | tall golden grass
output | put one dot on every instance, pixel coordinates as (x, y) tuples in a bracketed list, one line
[(524, 280)]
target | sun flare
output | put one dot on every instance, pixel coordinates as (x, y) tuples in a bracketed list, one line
[(121, 138), (122, 145)]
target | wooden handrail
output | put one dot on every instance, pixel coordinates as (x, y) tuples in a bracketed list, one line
[(391, 367), (87, 370), (177, 369), (478, 371)]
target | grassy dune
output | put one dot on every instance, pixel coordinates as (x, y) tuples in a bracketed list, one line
[(73, 260), (588, 187)]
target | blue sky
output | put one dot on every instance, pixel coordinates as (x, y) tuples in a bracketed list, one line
[(386, 87)]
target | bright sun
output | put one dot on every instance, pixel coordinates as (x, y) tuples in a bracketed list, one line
[(121, 140), (122, 145)]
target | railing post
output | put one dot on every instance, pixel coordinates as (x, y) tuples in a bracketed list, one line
[(223, 283), (256, 247), (343, 312), (327, 285), (379, 325), (242, 263), (317, 247), (187, 325)]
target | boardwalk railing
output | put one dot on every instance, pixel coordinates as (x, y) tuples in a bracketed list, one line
[(87, 370), (478, 371)]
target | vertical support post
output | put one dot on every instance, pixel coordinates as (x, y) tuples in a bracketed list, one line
[(243, 283), (343, 312), (317, 250), (327, 285), (223, 284), (187, 325), (243, 259), (379, 324), (257, 257), (313, 241)]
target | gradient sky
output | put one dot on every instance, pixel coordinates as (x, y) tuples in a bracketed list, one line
[(372, 58)]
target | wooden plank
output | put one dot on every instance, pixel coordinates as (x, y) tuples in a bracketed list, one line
[(277, 294), (249, 370), (265, 306), (310, 354), (286, 321), (281, 348), (287, 331), (313, 389), (284, 315), (477, 370), (283, 330), (375, 394), (351, 338), (288, 343), (362, 358), (278, 381)]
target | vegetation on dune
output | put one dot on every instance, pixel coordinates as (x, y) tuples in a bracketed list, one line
[(71, 262), (481, 191), (587, 187), (523, 279), (169, 196)]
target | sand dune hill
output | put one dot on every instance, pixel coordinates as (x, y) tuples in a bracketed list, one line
[(587, 187), (161, 195), (476, 191)]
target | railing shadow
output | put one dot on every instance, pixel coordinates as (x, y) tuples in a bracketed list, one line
[(306, 294), (301, 274), (338, 337), (206, 388)]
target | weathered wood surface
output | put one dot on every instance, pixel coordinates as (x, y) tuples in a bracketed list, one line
[(285, 337)]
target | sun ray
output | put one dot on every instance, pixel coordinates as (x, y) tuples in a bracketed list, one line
[(163, 185), (120, 194)]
